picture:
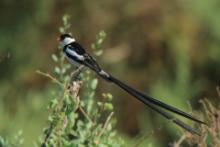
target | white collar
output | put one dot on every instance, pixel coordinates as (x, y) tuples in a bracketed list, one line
[(67, 41)]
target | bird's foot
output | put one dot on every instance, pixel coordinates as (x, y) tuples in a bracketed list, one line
[(75, 75)]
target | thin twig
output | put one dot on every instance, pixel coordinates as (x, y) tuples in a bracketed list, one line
[(179, 142), (85, 114), (76, 73), (142, 139), (74, 90), (104, 127), (50, 77)]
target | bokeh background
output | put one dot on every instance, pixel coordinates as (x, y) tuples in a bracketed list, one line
[(169, 49)]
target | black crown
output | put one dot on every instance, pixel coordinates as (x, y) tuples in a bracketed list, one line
[(63, 36)]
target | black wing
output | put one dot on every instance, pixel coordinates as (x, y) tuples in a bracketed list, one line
[(91, 63), (88, 61), (77, 48)]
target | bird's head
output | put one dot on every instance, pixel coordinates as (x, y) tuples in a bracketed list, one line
[(66, 39)]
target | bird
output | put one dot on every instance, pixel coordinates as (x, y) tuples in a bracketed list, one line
[(78, 56)]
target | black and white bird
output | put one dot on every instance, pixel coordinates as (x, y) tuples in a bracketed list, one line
[(77, 55)]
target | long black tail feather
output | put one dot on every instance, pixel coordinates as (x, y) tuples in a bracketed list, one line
[(153, 103), (159, 103), (153, 106)]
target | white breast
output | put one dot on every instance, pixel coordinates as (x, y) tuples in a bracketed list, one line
[(73, 53), (72, 61)]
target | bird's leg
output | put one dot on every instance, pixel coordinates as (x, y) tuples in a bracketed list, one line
[(75, 74), (74, 79)]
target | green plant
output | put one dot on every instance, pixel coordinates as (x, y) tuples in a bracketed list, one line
[(16, 141), (210, 135), (78, 118)]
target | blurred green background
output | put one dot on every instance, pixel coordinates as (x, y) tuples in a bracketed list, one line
[(169, 49)]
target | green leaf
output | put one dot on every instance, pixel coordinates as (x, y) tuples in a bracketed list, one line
[(54, 57), (100, 41), (62, 30), (109, 96), (99, 103), (102, 34), (94, 83), (93, 46), (108, 106), (50, 118), (57, 70), (98, 53)]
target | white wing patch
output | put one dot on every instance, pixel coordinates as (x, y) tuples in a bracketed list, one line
[(73, 53), (103, 73)]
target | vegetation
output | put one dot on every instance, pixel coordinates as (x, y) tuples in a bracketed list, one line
[(209, 134), (78, 119), (167, 49)]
